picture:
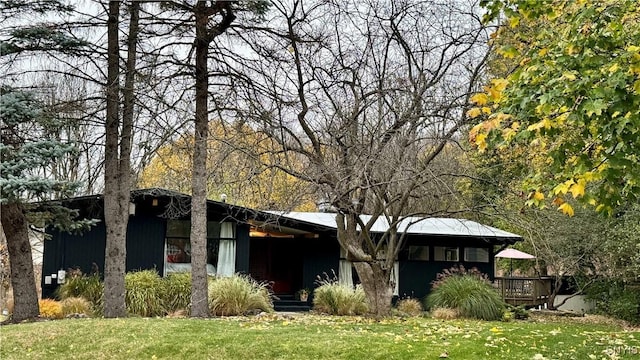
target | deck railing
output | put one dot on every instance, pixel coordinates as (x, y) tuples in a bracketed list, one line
[(529, 291)]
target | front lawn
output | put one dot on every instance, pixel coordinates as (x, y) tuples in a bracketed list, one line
[(314, 337)]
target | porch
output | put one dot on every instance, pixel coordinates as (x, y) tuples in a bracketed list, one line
[(527, 291)]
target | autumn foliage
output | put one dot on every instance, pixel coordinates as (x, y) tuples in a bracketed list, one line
[(571, 101), (242, 164)]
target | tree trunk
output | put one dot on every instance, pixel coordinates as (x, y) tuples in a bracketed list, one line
[(551, 299), (25, 295), (116, 217), (376, 286), (375, 280), (199, 291)]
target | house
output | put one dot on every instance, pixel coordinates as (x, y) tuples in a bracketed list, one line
[(289, 250)]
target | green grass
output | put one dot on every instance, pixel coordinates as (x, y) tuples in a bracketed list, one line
[(310, 337)]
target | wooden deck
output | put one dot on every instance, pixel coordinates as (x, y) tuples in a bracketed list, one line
[(527, 291)]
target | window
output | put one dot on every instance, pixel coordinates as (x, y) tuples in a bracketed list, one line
[(419, 253), (178, 246), (445, 253), (472, 254)]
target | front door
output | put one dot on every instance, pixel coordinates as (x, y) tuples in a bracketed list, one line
[(277, 261)]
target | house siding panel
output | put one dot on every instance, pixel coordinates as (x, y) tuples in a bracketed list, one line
[(64, 251), (321, 256), (145, 243), (242, 248)]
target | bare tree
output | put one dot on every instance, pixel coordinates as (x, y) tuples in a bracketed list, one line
[(117, 175), (369, 95), (204, 35)]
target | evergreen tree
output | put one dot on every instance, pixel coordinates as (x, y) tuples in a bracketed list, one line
[(26, 156)]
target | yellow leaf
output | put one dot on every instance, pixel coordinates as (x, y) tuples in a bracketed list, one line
[(514, 21), (566, 209), (613, 68), (494, 94), (543, 51), (500, 84), (481, 142), (508, 134), (474, 112), (590, 176), (544, 123), (486, 110), (480, 99), (568, 75), (538, 196), (474, 130), (500, 117), (633, 48), (558, 201), (577, 189), (563, 188)]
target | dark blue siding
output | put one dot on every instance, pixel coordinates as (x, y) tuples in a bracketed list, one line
[(145, 249), (65, 251), (242, 248), (145, 243), (321, 256)]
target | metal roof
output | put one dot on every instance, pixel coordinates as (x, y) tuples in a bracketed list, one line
[(410, 225)]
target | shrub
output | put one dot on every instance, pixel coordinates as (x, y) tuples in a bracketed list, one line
[(507, 316), (457, 271), (237, 295), (176, 293), (50, 309), (143, 293), (335, 299), (445, 313), (519, 312), (410, 307), (76, 305), (616, 299), (471, 296), (89, 287)]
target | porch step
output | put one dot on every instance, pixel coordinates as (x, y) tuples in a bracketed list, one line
[(289, 303)]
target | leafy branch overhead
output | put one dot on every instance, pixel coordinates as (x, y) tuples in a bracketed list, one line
[(572, 102)]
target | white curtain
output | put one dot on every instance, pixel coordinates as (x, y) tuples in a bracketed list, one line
[(226, 251)]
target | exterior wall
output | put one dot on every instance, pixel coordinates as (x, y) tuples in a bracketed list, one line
[(416, 276), (242, 248), (145, 249), (64, 251), (320, 256), (145, 243)]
